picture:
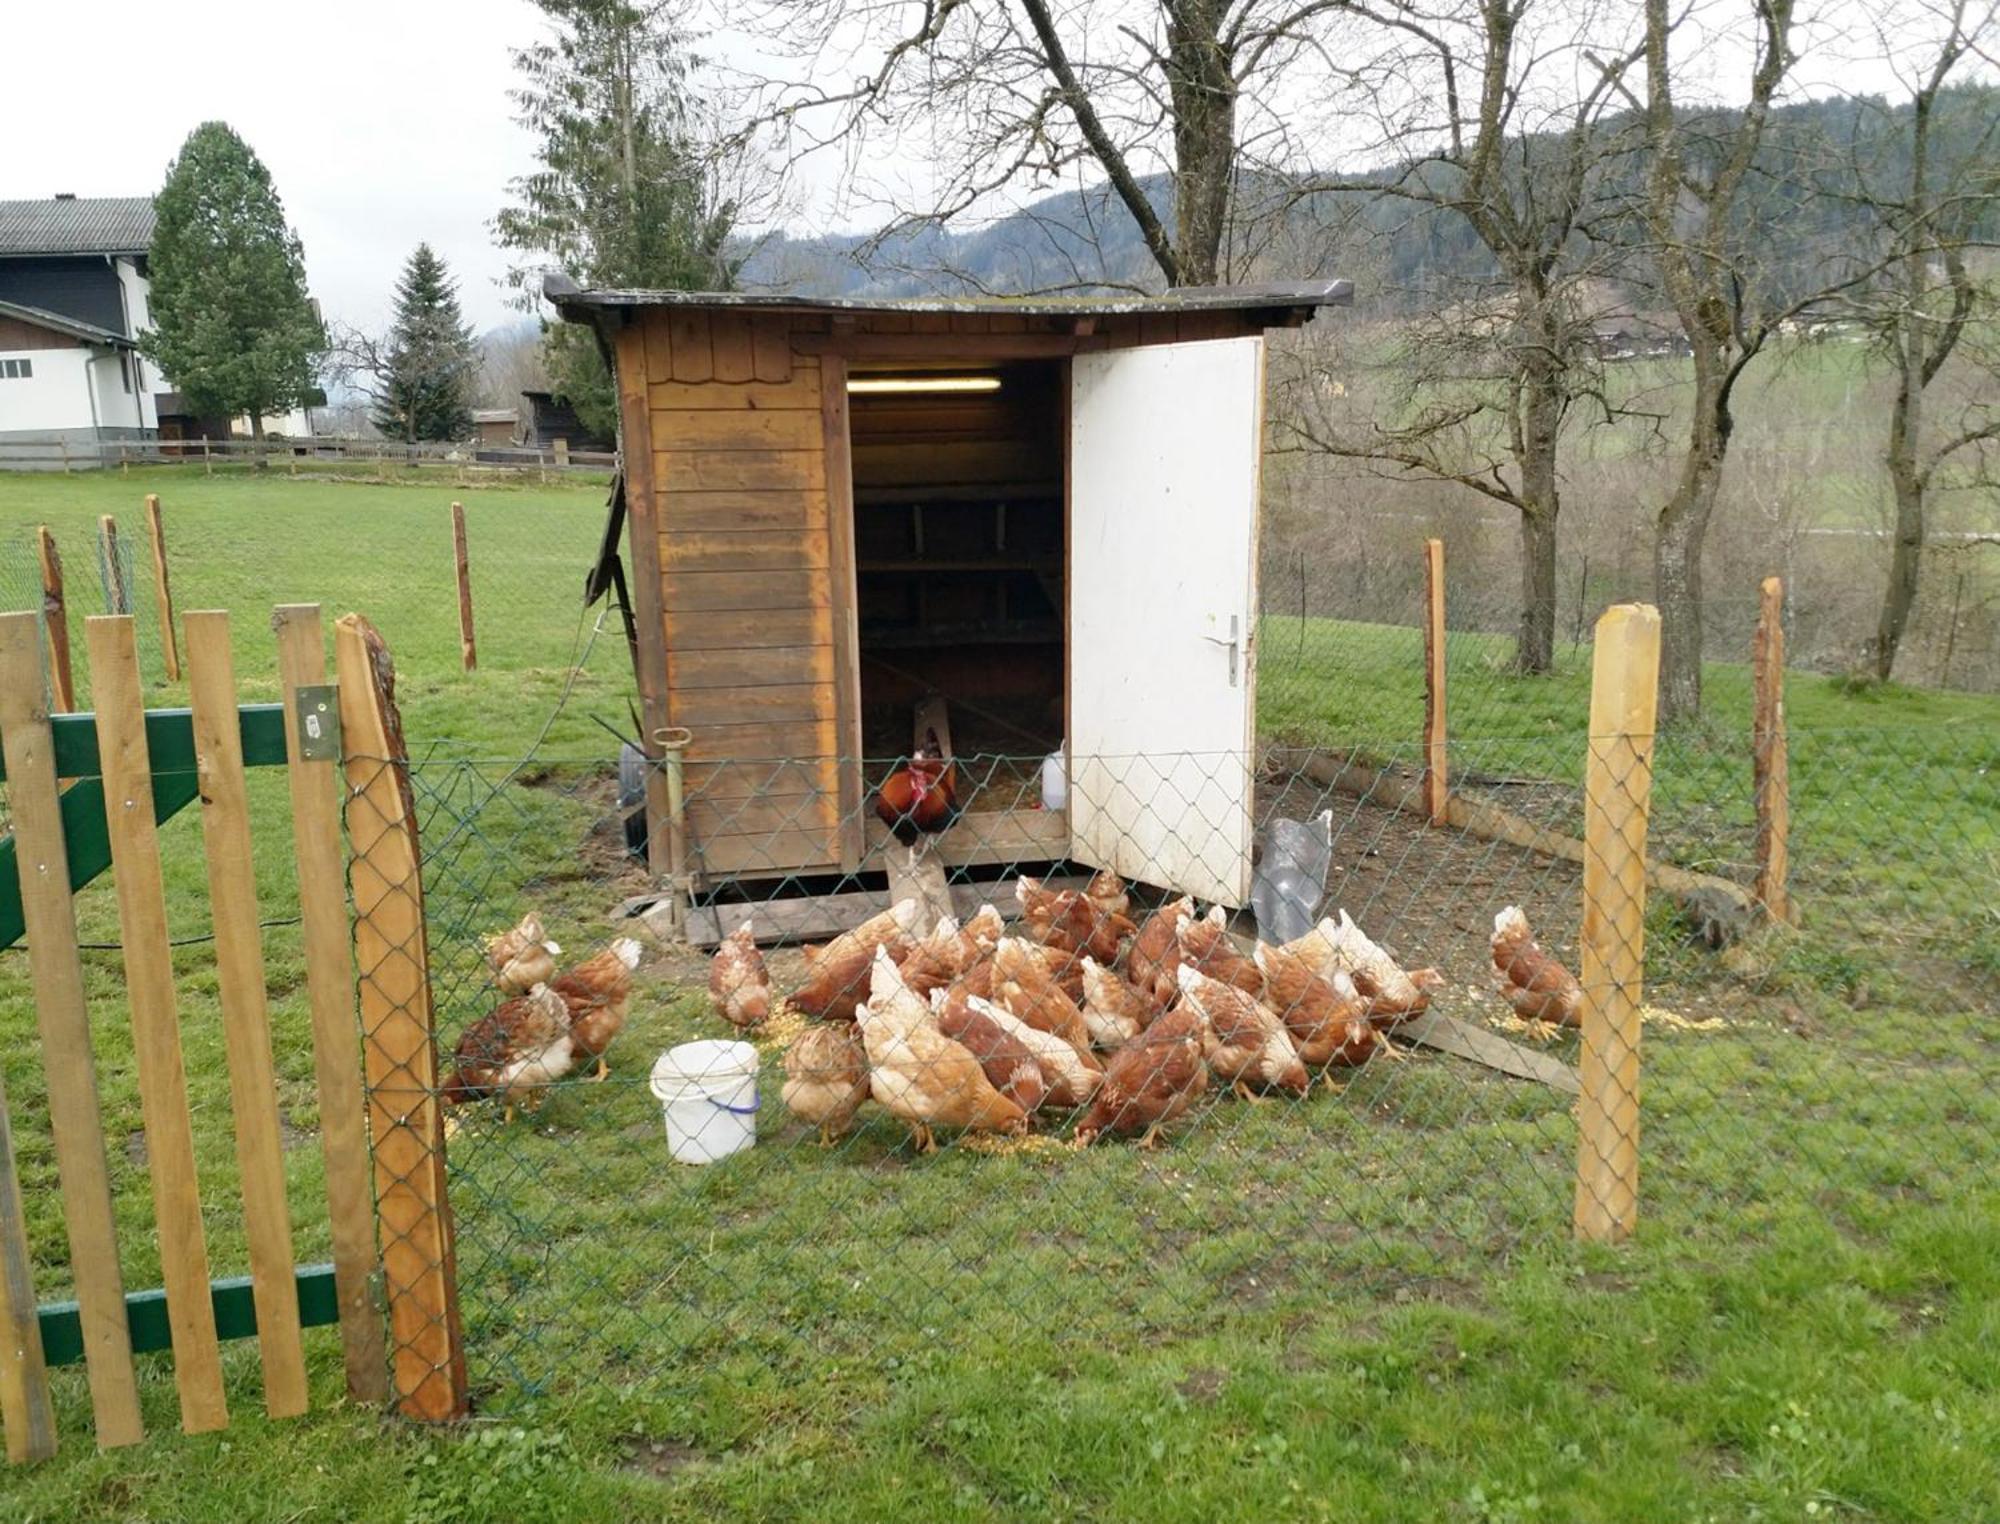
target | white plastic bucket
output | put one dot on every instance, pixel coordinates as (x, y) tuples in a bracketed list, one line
[(708, 1094)]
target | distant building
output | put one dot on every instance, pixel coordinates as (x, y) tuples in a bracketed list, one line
[(496, 425), (73, 301), (545, 419)]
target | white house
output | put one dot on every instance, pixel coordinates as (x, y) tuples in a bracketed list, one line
[(73, 292)]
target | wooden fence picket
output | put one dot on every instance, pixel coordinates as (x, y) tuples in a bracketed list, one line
[(56, 969), (125, 758), (239, 967), (24, 1377)]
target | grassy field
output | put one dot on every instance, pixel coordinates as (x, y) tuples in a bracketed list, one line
[(1361, 1307)]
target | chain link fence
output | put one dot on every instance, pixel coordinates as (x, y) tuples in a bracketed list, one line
[(1323, 1121)]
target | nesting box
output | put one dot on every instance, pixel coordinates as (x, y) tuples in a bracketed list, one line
[(1041, 516)]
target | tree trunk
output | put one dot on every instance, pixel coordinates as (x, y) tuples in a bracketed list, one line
[(257, 438), (1204, 108), (1905, 565), (1535, 646), (1677, 541), (1536, 439), (1906, 419)]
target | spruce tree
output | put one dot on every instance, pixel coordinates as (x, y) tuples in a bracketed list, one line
[(432, 362), (233, 328), (621, 196)]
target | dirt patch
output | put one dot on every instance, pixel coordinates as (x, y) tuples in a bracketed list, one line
[(660, 1459), (1429, 894), (1203, 1384)]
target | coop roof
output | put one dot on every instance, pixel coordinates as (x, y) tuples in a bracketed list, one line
[(1286, 301), (57, 322), (77, 225)]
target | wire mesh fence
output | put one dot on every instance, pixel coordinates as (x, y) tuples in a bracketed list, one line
[(1384, 1105)]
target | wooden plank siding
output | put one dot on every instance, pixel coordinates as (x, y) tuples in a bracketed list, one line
[(746, 548), (737, 428)]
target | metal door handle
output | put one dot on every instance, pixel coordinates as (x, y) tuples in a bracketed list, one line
[(1234, 642)]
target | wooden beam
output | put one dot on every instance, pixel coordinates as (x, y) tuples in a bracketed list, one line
[(56, 972), (398, 1033), (890, 348), (834, 422), (231, 1307), (642, 520), (461, 562), (1461, 1039), (163, 593), (55, 614), (1437, 787), (1618, 784), (149, 987), (336, 1026), (1769, 759), (981, 836), (246, 1017), (1382, 786)]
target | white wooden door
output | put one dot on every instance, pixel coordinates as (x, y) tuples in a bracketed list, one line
[(1164, 450)]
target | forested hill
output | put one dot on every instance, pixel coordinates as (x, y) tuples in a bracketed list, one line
[(1804, 217)]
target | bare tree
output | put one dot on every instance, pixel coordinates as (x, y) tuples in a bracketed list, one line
[(1487, 124), (1206, 95), (1693, 208), (512, 360), (1926, 308)]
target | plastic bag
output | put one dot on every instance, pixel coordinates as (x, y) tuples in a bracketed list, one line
[(1289, 881)]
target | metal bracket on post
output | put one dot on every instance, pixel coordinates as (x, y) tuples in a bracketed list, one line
[(673, 741), (319, 722)]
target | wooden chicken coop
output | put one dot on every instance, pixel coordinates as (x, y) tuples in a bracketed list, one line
[(1043, 514)]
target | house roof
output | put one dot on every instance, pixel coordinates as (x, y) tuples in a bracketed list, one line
[(77, 225), (494, 415), (577, 304), (41, 317)]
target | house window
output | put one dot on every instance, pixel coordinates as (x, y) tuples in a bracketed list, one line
[(17, 370), (125, 370)]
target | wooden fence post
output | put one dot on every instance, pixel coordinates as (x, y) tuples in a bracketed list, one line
[(246, 1023), (115, 592), (170, 650), (55, 614), (399, 1040), (1437, 785), (1618, 786), (1769, 762), (468, 651), (56, 971), (336, 1031)]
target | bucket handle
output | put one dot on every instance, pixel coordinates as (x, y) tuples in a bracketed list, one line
[(741, 1111)]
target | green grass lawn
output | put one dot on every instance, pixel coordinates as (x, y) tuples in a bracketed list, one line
[(1361, 1307)]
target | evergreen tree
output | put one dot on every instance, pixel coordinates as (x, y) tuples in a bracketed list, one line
[(432, 360), (622, 196), (233, 328)]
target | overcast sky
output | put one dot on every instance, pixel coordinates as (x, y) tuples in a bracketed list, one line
[(383, 124)]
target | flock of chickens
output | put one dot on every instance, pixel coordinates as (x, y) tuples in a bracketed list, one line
[(548, 1024), (1120, 1023)]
